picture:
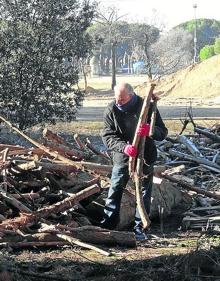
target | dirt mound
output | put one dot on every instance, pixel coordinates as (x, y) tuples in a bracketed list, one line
[(200, 82)]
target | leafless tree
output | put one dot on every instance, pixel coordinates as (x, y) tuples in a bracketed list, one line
[(113, 34), (172, 51)]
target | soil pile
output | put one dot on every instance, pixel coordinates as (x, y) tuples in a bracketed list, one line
[(199, 83)]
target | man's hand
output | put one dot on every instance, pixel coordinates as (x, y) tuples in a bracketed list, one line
[(144, 130), (156, 96), (130, 150)]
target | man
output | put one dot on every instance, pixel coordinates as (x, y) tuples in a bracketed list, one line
[(120, 121)]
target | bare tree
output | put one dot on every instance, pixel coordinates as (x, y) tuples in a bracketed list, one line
[(143, 36), (172, 51), (113, 34)]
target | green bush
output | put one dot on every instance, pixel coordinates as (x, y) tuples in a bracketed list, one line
[(206, 52), (217, 46), (41, 44)]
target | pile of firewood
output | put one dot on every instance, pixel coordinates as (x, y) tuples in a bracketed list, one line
[(48, 192), (45, 192), (196, 157)]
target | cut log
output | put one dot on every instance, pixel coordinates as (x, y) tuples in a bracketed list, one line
[(28, 166), (52, 167), (64, 150), (31, 196), (94, 150), (213, 137), (97, 168), (193, 188), (97, 235), (17, 245), (29, 219), (194, 159), (27, 151), (14, 202), (48, 134), (172, 171), (190, 146), (80, 144)]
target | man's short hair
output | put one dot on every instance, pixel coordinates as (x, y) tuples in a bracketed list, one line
[(127, 86)]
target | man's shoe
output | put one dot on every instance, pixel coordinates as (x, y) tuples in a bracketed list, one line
[(140, 235)]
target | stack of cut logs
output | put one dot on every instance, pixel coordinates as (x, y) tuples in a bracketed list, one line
[(45, 192), (197, 159)]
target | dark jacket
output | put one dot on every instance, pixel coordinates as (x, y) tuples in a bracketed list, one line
[(119, 130)]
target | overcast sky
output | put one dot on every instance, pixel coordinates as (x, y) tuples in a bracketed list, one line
[(169, 12)]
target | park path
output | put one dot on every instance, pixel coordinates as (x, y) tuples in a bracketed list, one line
[(167, 112)]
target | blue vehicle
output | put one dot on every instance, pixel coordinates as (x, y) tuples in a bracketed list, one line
[(139, 67)]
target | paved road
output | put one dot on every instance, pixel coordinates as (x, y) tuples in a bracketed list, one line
[(96, 113)]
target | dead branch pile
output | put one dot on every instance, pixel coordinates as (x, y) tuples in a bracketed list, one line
[(45, 191), (196, 157)]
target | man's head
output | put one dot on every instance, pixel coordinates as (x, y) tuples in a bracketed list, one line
[(123, 93)]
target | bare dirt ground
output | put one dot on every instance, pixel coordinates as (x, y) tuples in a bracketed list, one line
[(169, 255), (94, 106)]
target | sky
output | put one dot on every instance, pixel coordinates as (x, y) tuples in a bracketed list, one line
[(166, 12)]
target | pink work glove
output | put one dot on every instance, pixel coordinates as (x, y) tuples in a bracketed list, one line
[(130, 150), (143, 130)]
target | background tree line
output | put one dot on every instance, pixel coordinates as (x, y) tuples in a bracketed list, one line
[(162, 52), (45, 45)]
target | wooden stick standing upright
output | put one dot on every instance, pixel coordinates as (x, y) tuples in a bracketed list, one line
[(142, 120), (137, 172)]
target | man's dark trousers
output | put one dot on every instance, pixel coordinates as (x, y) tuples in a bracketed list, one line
[(119, 179)]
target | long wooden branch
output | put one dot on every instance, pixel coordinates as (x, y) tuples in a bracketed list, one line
[(194, 159), (153, 118), (209, 135), (138, 179), (41, 146), (190, 146), (76, 241), (14, 202), (142, 120), (140, 144), (77, 165), (192, 188), (29, 219)]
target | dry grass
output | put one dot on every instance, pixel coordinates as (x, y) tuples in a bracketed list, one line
[(199, 83), (175, 261), (175, 126), (95, 127), (80, 127), (104, 82)]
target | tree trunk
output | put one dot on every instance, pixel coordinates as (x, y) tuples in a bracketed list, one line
[(113, 65)]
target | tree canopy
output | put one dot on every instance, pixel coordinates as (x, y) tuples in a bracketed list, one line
[(207, 30), (41, 43), (217, 46)]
